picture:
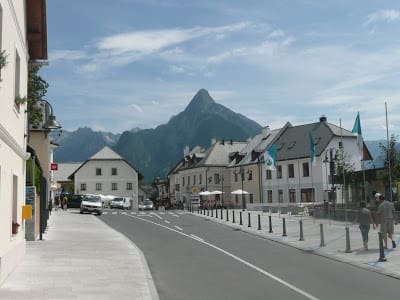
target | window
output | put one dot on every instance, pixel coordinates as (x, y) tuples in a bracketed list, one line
[(279, 171), (98, 171), (306, 195), (114, 186), (216, 178), (292, 196), (17, 77), (98, 186), (250, 175), (280, 196), (183, 181), (236, 199), (236, 177), (291, 170), (188, 180), (269, 196), (15, 199), (251, 198), (113, 171), (268, 174), (306, 170), (83, 186), (200, 178), (194, 179), (129, 186)]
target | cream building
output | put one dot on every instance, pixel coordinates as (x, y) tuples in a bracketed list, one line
[(18, 18)]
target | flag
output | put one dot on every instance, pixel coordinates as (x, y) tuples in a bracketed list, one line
[(360, 141), (270, 158), (312, 151)]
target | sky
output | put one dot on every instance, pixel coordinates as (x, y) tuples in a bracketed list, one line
[(123, 64)]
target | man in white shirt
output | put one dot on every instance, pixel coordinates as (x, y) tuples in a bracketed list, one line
[(386, 214)]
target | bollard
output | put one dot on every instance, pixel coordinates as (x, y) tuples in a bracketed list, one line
[(321, 230), (233, 216), (216, 212), (212, 212), (301, 231), (259, 222), (348, 249), (221, 212), (249, 220), (208, 212), (240, 219), (227, 215), (284, 227), (270, 224), (381, 250)]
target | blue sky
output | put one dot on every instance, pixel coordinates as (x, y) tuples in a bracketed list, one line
[(121, 64)]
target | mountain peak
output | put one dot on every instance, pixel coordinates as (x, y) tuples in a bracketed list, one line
[(200, 101)]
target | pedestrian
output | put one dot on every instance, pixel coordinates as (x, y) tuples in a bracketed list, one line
[(364, 218), (56, 202), (65, 203), (386, 215)]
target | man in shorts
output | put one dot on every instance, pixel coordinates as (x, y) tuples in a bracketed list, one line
[(386, 214)]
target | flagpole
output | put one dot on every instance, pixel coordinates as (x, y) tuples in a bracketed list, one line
[(388, 153)]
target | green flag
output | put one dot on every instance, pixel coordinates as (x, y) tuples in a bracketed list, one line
[(357, 129)]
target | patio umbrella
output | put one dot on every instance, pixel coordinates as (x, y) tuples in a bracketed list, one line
[(216, 193), (239, 192), (205, 193)]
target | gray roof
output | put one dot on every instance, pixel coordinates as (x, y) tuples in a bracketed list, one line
[(65, 170), (106, 153), (218, 153), (294, 142)]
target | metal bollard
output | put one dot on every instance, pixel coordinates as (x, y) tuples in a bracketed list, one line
[(259, 222), (301, 231), (284, 227), (233, 216), (216, 212), (249, 220), (348, 249), (270, 224), (212, 212), (240, 219), (381, 250), (227, 215), (222, 212), (208, 212), (321, 230)]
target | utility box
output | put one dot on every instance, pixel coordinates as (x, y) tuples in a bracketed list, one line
[(27, 212)]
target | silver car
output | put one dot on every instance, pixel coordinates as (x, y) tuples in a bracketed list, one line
[(91, 203)]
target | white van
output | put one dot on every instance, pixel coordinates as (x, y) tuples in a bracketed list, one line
[(121, 202)]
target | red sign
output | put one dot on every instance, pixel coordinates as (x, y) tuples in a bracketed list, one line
[(54, 167)]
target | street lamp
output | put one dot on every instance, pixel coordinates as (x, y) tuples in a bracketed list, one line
[(50, 118)]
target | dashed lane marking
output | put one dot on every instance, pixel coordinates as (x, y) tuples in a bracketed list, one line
[(168, 222), (179, 228)]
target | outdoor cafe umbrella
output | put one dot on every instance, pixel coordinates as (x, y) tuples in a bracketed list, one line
[(240, 192), (205, 193)]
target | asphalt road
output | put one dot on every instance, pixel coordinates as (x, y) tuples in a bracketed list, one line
[(192, 258)]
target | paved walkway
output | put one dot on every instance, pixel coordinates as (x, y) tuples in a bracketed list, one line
[(334, 233), (80, 258)]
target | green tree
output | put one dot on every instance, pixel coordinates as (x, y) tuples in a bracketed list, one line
[(37, 89), (390, 151)]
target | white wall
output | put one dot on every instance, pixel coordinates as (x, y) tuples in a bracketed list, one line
[(12, 131)]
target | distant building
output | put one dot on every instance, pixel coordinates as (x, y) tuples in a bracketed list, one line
[(107, 173)]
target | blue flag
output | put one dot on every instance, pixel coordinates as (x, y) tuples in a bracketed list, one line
[(270, 158), (312, 151)]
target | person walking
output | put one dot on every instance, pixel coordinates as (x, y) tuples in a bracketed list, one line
[(65, 203), (365, 220), (386, 215)]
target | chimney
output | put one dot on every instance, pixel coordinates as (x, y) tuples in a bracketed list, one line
[(265, 131), (223, 142), (213, 141), (231, 142), (186, 151), (322, 118)]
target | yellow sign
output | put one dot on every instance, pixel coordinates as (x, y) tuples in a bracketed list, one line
[(194, 190), (27, 212)]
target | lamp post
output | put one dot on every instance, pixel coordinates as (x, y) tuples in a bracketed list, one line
[(49, 117)]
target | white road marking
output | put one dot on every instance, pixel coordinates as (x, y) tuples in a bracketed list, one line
[(114, 213), (154, 214), (196, 237), (104, 213), (177, 227), (281, 281), (133, 213), (175, 216), (168, 222)]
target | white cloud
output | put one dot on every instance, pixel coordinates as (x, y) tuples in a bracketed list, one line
[(67, 55), (137, 108), (387, 15), (276, 33)]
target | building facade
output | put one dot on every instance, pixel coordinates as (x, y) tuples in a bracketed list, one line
[(107, 173)]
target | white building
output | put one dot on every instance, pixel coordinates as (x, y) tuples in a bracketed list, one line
[(295, 178), (107, 173), (18, 20)]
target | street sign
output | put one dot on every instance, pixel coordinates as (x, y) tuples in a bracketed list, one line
[(54, 167)]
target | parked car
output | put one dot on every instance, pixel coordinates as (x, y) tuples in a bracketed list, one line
[(121, 202), (91, 203), (74, 201), (146, 205)]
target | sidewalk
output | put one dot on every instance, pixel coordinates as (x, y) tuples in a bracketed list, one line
[(80, 258), (334, 236)]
